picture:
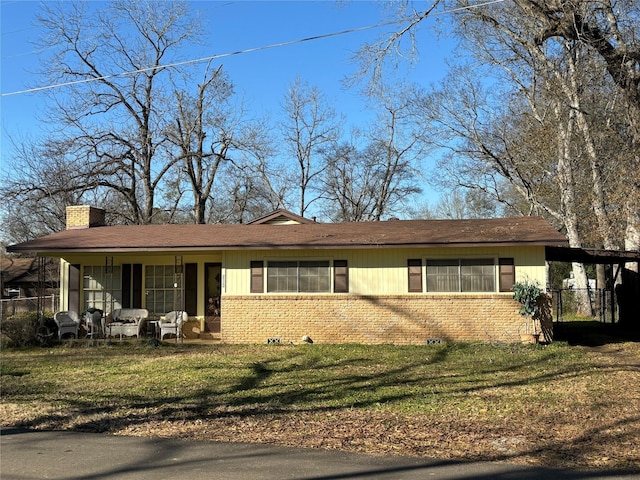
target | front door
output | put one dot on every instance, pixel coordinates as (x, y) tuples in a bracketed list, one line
[(213, 283)]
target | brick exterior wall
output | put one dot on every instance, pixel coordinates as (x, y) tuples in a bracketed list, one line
[(393, 319), (84, 216)]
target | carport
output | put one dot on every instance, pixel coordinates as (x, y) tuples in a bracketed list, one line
[(623, 282)]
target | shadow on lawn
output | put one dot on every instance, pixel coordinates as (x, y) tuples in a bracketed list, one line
[(262, 391), (593, 333)]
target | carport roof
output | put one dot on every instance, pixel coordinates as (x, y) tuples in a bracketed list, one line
[(590, 255)]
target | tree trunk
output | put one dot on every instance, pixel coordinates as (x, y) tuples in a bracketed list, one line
[(567, 192), (598, 196)]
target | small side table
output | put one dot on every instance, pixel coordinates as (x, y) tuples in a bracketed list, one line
[(152, 329)]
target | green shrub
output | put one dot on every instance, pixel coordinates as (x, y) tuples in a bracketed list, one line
[(20, 330), (528, 294)]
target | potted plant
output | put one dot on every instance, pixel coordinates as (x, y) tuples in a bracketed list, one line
[(528, 294)]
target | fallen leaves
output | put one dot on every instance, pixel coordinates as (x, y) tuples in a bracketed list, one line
[(569, 417)]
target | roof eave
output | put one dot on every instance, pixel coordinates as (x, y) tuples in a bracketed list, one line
[(57, 251)]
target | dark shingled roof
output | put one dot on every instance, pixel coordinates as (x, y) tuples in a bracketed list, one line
[(392, 233), (25, 270)]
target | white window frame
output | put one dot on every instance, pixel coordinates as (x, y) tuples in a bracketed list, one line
[(162, 290), (96, 291)]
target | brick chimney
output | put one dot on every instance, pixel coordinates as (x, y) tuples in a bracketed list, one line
[(84, 216)]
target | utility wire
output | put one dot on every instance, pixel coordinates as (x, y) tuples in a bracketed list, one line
[(239, 52)]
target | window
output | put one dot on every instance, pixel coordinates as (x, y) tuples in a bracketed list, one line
[(163, 289), (443, 276), (298, 276), (102, 289), (282, 277), (466, 275), (314, 277), (507, 274), (415, 274), (257, 276), (340, 276), (477, 275)]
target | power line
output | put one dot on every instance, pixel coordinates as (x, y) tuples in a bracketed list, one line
[(239, 52), (199, 60)]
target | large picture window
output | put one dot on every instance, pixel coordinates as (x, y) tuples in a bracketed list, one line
[(102, 287), (298, 276), (461, 275)]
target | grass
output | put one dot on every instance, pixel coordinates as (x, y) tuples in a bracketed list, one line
[(282, 378), (472, 399)]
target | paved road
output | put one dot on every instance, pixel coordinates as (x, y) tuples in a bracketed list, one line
[(35, 455)]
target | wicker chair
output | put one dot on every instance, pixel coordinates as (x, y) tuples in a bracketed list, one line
[(67, 322), (127, 322), (172, 323)]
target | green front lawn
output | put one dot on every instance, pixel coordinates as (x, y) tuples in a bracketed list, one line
[(456, 400)]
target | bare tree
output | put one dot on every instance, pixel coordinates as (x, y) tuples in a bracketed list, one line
[(377, 173), (349, 184), (203, 132), (608, 30), (534, 40), (547, 54), (460, 204), (522, 153), (560, 66), (246, 196), (112, 111), (44, 178), (310, 126)]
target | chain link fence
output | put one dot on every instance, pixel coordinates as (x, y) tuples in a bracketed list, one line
[(13, 306)]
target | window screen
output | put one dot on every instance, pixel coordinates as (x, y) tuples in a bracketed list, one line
[(477, 275), (102, 289), (443, 276), (163, 288)]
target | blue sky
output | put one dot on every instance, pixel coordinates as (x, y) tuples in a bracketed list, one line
[(262, 77)]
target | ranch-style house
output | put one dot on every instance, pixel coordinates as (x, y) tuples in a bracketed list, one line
[(284, 277)]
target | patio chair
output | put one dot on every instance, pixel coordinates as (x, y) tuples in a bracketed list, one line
[(172, 323), (67, 322), (127, 322)]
